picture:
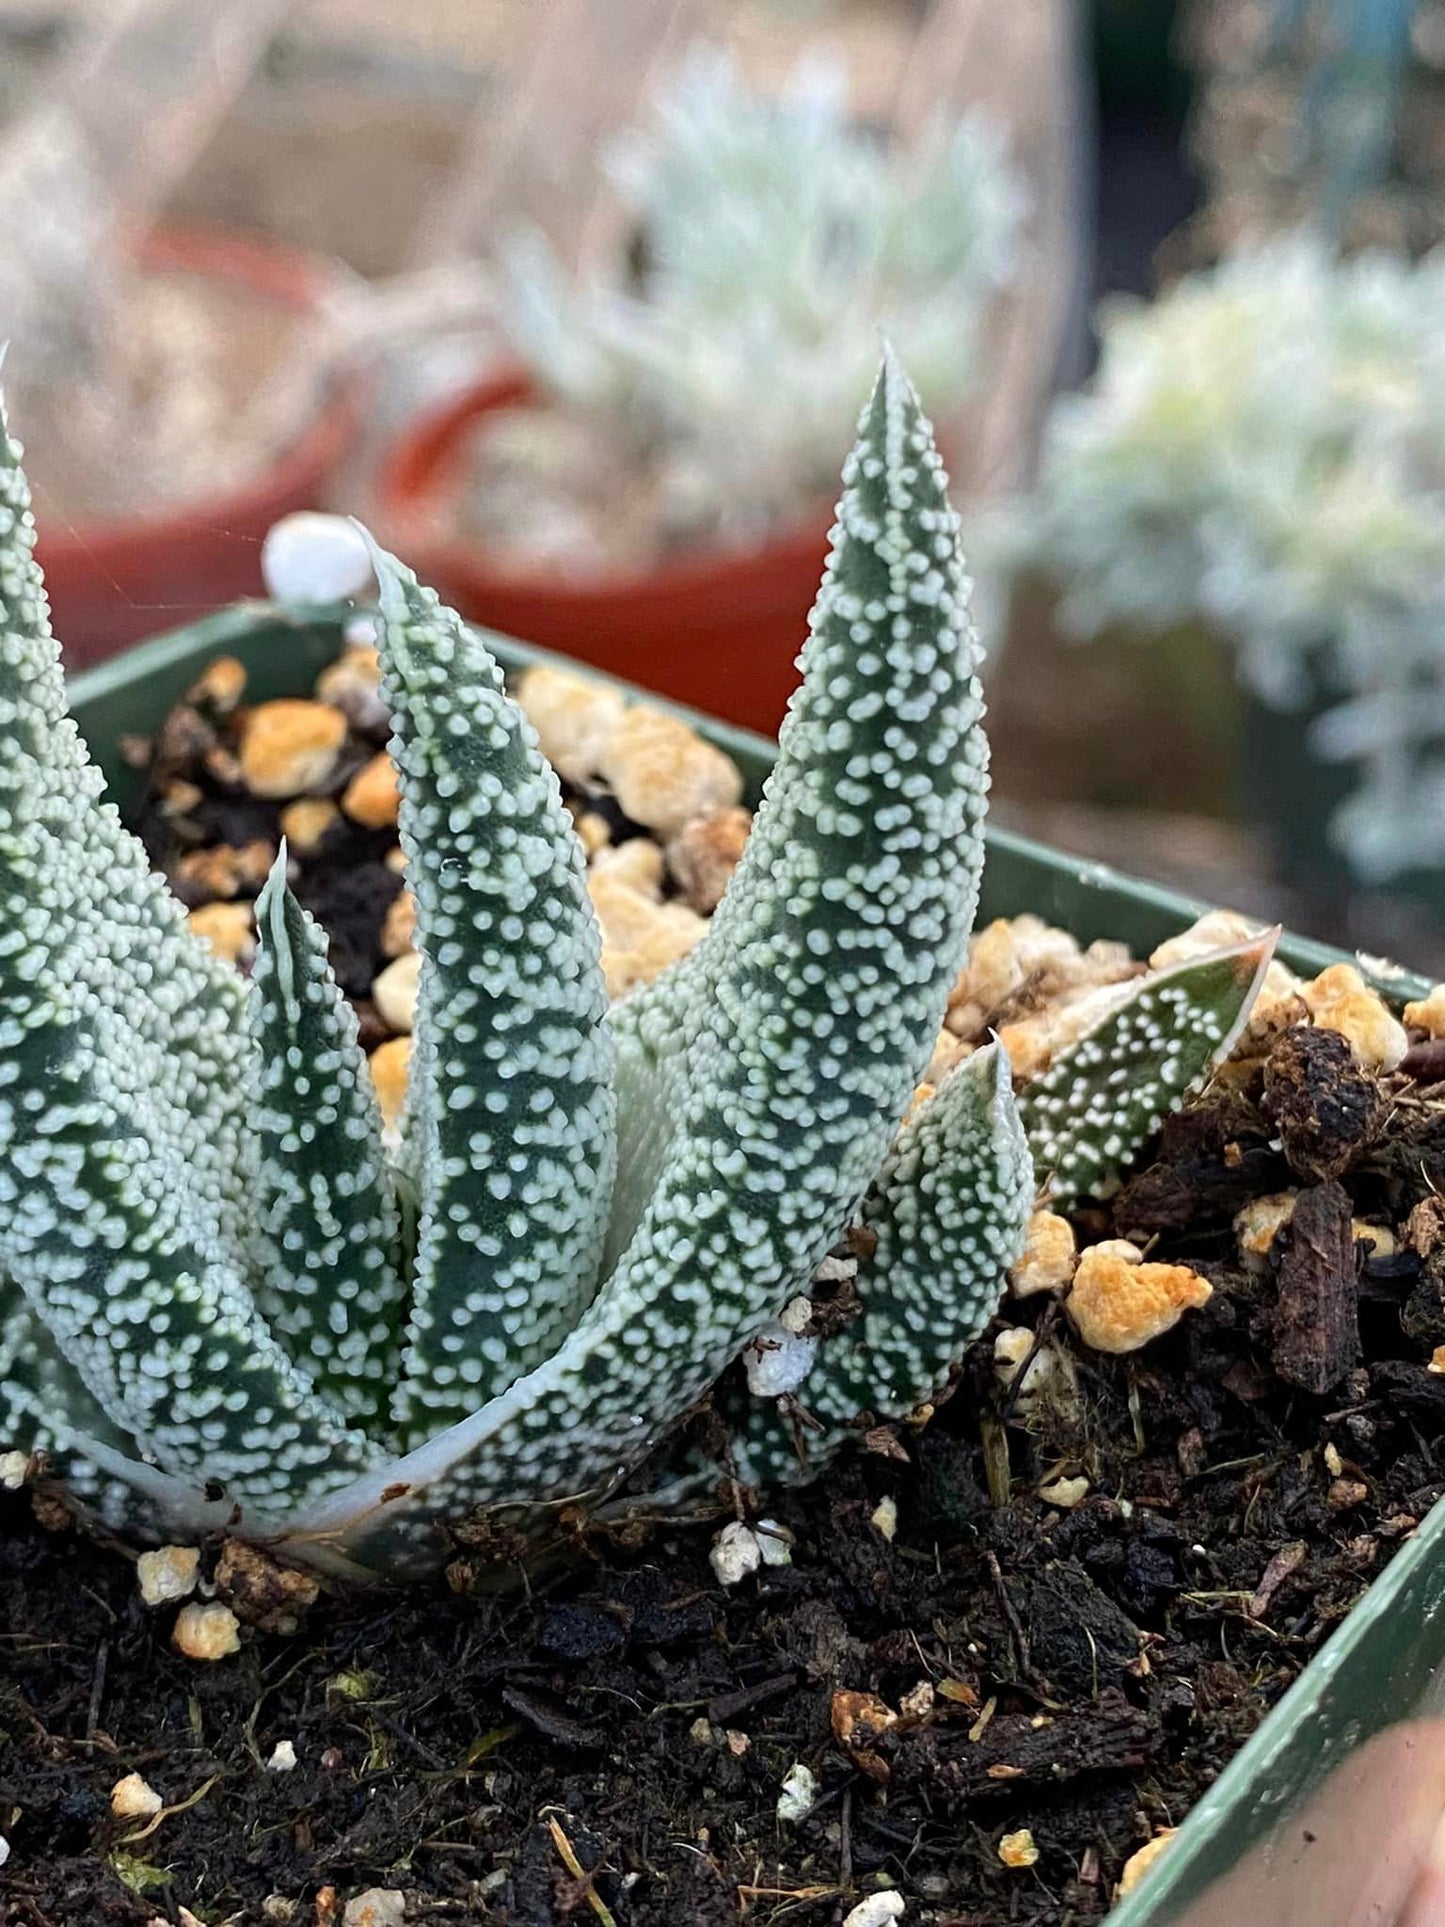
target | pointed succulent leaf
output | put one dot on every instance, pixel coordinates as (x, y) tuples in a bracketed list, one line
[(46, 1408), (43, 1400), (1106, 1092), (125, 1079), (326, 1221), (99, 1229), (834, 950), (949, 1210), (510, 1110), (90, 893)]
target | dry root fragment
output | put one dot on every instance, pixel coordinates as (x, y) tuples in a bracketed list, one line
[(1339, 999), (290, 745), (229, 928), (373, 796), (663, 773), (389, 1063), (260, 1590), (1049, 1256), (1119, 1304), (704, 854), (575, 719), (394, 992)]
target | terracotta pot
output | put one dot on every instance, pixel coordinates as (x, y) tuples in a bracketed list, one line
[(112, 581), (719, 628)]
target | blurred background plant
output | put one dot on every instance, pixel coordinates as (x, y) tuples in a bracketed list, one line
[(1262, 453), (762, 231), (1327, 111)]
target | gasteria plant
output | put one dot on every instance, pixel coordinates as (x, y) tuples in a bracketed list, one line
[(225, 1305)]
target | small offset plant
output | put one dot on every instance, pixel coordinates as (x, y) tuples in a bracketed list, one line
[(777, 238), (225, 1303), (1263, 452)]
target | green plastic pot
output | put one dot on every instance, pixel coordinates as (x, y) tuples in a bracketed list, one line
[(1379, 1666)]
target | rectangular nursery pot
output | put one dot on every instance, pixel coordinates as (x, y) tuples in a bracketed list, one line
[(1378, 1668)]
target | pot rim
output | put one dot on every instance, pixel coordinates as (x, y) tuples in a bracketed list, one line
[(420, 478)]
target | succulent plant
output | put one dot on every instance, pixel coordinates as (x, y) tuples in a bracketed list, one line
[(1261, 452), (225, 1305), (779, 235)]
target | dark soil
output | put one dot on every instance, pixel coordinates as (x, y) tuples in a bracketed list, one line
[(999, 1663), (1083, 1673)]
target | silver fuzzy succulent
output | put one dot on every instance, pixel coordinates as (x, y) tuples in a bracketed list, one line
[(223, 1303)]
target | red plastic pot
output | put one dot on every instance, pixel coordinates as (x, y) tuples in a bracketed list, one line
[(719, 629), (111, 582)]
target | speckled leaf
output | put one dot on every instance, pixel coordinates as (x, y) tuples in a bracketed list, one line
[(99, 1228), (326, 1223), (128, 945), (832, 957), (510, 1106), (125, 1079), (949, 1210), (46, 1408), (43, 1401), (1106, 1093)]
